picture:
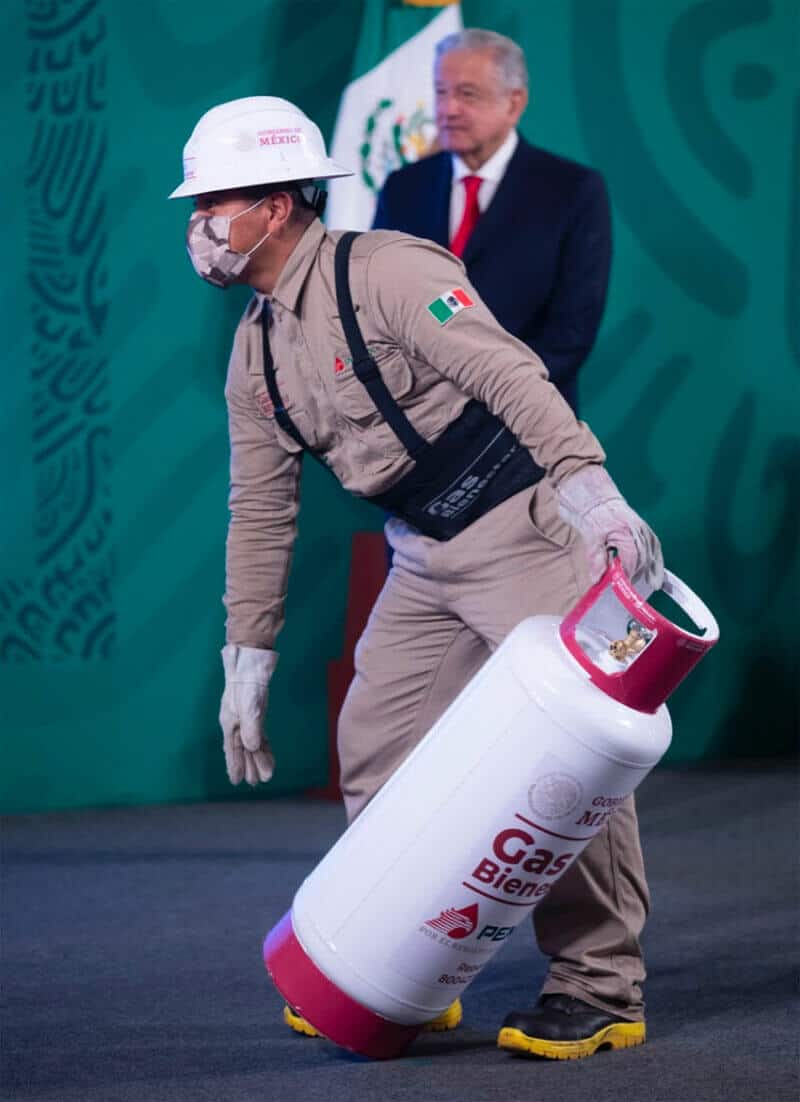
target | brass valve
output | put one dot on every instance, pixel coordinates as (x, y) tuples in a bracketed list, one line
[(634, 642)]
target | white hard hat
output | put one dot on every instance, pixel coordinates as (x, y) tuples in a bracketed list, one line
[(255, 140)]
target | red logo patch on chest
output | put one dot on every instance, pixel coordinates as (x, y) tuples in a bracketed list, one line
[(338, 365)]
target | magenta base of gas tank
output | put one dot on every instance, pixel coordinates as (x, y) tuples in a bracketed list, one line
[(325, 1006)]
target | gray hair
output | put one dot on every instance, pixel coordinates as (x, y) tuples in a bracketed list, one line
[(508, 57)]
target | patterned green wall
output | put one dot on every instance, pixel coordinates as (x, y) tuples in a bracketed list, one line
[(114, 473)]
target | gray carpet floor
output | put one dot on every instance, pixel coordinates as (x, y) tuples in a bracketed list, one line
[(131, 960)]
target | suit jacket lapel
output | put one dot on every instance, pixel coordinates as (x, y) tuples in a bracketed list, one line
[(510, 194), (440, 202)]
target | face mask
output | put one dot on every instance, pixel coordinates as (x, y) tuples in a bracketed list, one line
[(208, 242)]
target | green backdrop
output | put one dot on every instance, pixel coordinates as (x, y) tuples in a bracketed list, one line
[(113, 480)]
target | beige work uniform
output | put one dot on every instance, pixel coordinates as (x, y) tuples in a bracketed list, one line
[(445, 605)]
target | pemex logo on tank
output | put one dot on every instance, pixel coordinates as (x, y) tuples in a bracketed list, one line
[(454, 923)]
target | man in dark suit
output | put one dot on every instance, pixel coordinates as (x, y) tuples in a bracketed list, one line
[(533, 229)]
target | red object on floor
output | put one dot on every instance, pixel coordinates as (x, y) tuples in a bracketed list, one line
[(324, 1005), (368, 570)]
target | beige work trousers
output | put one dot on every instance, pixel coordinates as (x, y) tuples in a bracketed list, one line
[(442, 611)]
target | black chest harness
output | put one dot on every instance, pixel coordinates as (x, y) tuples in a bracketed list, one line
[(474, 465)]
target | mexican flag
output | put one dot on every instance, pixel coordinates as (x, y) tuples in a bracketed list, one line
[(385, 116), (449, 304)]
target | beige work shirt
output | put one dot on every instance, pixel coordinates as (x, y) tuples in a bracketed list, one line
[(431, 368)]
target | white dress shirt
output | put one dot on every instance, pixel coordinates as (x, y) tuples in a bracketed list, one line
[(491, 173)]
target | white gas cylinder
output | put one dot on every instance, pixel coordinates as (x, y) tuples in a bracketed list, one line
[(479, 822)]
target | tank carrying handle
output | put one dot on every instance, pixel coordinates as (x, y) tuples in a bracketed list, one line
[(629, 649)]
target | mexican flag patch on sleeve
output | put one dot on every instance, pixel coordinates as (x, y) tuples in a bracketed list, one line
[(449, 304)]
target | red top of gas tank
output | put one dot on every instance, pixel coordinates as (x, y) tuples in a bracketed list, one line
[(630, 651)]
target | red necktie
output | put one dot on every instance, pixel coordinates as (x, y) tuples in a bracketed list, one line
[(472, 213)]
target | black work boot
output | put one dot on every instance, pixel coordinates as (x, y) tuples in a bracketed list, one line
[(561, 1027)]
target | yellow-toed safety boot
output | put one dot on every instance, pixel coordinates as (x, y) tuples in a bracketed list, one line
[(448, 1019), (561, 1027)]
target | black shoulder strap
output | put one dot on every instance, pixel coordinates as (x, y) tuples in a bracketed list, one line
[(364, 367), (281, 416)]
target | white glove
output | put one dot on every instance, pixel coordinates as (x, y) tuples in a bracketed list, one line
[(591, 503), (248, 755)]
